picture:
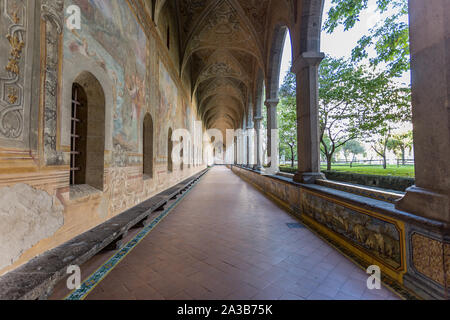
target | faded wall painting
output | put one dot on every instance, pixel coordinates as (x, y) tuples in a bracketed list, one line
[(111, 36), (378, 237), (167, 111)]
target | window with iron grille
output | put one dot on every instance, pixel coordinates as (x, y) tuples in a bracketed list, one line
[(78, 136)]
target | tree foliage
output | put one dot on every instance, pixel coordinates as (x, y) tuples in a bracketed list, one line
[(400, 143), (287, 118), (355, 102), (389, 37), (353, 148)]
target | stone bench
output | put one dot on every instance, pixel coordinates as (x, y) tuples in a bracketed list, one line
[(37, 278)]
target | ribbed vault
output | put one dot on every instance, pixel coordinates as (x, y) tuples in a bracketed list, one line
[(222, 43), (224, 50)]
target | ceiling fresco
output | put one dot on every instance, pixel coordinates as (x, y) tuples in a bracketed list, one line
[(222, 44)]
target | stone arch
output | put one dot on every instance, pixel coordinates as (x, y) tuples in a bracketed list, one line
[(148, 146), (275, 58), (92, 140), (259, 94), (311, 25)]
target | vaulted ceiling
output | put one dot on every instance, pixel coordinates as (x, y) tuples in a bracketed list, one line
[(222, 47)]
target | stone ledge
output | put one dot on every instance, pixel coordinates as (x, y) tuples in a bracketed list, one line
[(37, 278), (363, 201)]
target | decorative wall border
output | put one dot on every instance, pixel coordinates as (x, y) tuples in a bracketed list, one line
[(11, 86), (398, 225), (52, 15), (418, 279)]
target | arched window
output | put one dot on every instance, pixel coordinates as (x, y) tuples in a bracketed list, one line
[(87, 147), (169, 151), (182, 154), (148, 146)]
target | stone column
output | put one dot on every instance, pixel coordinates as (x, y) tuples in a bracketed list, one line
[(430, 61), (272, 124), (306, 68), (258, 122)]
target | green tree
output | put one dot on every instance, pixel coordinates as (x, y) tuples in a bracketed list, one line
[(400, 143), (354, 102), (287, 117), (389, 38), (379, 145), (325, 146), (390, 107), (352, 148), (346, 94)]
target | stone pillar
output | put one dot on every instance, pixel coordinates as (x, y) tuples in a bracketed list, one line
[(272, 124), (306, 68), (430, 61), (258, 122)]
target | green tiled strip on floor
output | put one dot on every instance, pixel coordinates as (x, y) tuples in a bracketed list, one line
[(89, 284)]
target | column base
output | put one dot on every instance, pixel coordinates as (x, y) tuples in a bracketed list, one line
[(308, 177), (425, 203)]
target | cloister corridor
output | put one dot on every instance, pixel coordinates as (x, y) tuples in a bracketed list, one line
[(225, 240)]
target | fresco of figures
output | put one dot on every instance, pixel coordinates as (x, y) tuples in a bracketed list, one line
[(378, 237)]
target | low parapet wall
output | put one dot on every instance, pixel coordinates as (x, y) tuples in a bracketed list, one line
[(410, 250)]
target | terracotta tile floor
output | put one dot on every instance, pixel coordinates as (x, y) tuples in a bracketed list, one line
[(225, 240)]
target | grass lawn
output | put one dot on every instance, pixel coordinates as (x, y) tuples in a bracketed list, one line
[(392, 170)]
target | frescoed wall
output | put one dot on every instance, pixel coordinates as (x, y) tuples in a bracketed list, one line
[(115, 41), (167, 110), (138, 75)]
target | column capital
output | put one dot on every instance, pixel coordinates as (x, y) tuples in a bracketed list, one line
[(272, 103), (256, 119), (307, 59)]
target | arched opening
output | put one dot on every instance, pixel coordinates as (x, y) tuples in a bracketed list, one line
[(87, 132), (182, 154), (278, 68), (358, 138), (169, 151), (148, 147), (286, 111)]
